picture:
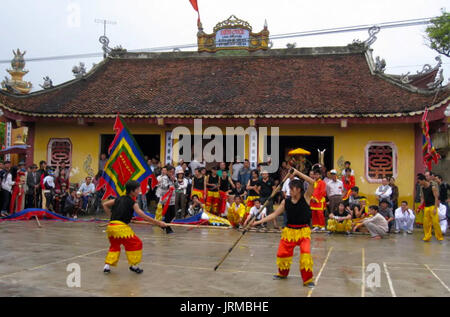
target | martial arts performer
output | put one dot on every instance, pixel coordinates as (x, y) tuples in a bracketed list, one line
[(121, 210)]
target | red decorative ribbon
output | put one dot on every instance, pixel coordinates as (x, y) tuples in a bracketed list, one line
[(169, 196)]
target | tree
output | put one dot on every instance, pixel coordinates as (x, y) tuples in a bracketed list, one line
[(439, 33)]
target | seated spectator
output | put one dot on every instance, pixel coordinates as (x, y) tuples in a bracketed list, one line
[(196, 206), (60, 198), (384, 191), (230, 200), (256, 212), (443, 222), (72, 204), (358, 214), (376, 225), (237, 212), (340, 220), (387, 213), (238, 190), (355, 199), (404, 218), (87, 189)]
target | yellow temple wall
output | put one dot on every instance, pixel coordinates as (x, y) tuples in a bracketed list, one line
[(349, 144)]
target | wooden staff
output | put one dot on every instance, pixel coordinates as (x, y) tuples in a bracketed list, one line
[(252, 218), (37, 220), (173, 225)]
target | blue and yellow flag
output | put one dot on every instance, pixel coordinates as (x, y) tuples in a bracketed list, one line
[(126, 162)]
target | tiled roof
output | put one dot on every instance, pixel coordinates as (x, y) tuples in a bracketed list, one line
[(277, 83)]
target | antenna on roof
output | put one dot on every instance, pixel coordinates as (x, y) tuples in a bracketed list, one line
[(104, 24)]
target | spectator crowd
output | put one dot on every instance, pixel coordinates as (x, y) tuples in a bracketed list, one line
[(236, 191)]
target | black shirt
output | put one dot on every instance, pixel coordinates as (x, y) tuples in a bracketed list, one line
[(266, 188), (213, 180), (428, 196), (199, 183), (239, 192), (224, 185), (252, 192), (443, 192), (299, 213), (122, 209), (344, 214)]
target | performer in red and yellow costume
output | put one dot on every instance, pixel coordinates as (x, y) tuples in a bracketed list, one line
[(18, 190), (318, 201), (253, 190), (349, 182), (120, 233), (297, 231), (212, 195), (198, 186)]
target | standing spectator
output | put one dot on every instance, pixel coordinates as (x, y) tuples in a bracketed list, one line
[(168, 182), (159, 178), (267, 185), (334, 192), (60, 180), (198, 185), (236, 168), (222, 167), (395, 194), (284, 170), (404, 218), (62, 167), (18, 190), (180, 194), (49, 190), (7, 183), (41, 173), (386, 211), (347, 165), (252, 189), (376, 225), (430, 201), (417, 201), (32, 186), (306, 184), (443, 192), (102, 161), (384, 191), (226, 186), (87, 190), (245, 173), (194, 164)]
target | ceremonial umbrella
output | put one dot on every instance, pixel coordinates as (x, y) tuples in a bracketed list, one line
[(299, 151)]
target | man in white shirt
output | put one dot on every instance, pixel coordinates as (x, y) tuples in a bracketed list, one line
[(404, 218), (384, 191), (443, 222), (87, 189), (377, 225), (255, 212), (236, 168), (194, 164), (334, 191)]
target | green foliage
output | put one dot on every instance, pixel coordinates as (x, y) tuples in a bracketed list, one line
[(439, 34)]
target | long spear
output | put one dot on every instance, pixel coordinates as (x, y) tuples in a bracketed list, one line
[(252, 218)]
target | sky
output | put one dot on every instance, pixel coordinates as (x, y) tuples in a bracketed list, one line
[(61, 27)]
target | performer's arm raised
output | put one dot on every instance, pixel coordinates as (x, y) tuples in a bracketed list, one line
[(310, 190), (147, 218), (273, 215)]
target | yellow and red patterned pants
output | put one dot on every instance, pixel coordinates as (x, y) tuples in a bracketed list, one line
[(290, 238), (431, 220), (120, 233), (212, 202)]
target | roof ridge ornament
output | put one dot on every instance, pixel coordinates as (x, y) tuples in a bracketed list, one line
[(372, 35), (108, 51), (232, 22), (437, 82), (47, 83), (79, 71), (427, 67), (380, 65)]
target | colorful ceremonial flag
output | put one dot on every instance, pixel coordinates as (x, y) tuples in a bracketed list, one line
[(429, 153), (126, 162), (195, 6)]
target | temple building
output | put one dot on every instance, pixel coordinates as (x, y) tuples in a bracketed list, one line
[(336, 99)]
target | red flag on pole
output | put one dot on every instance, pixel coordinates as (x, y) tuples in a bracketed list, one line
[(195, 6)]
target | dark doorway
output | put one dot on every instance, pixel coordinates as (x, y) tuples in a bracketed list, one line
[(309, 143), (150, 144)]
